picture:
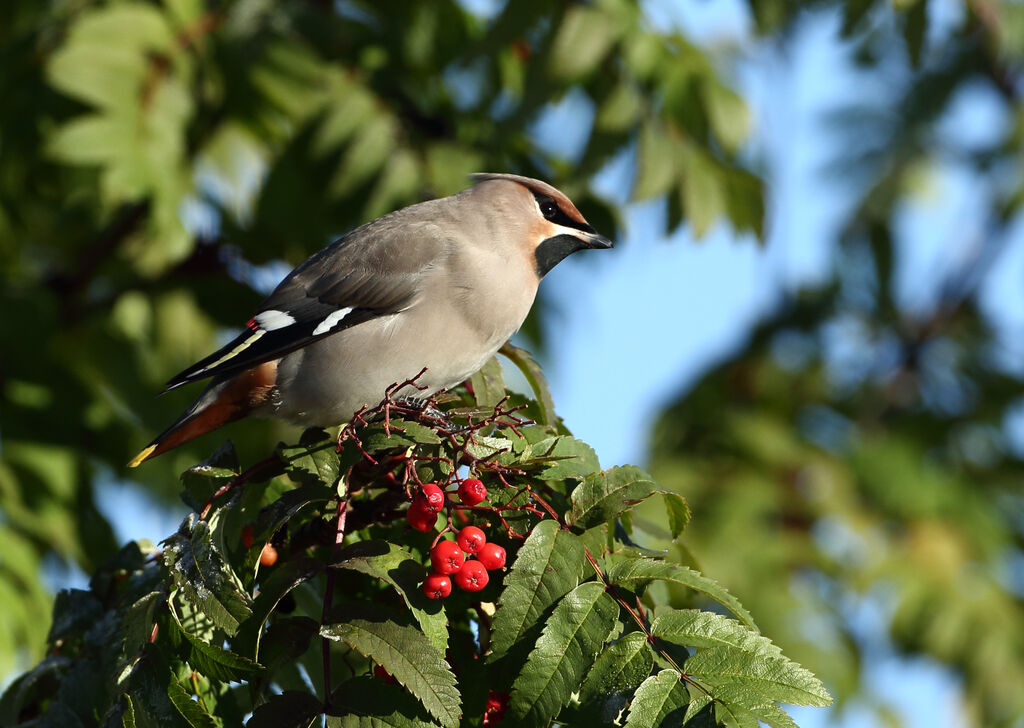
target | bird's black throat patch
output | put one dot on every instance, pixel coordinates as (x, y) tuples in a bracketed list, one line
[(552, 251)]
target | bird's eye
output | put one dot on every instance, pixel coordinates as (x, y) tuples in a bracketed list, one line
[(549, 209)]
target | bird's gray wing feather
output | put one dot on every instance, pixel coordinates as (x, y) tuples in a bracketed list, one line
[(376, 270)]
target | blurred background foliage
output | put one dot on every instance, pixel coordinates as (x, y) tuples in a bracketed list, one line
[(159, 161)]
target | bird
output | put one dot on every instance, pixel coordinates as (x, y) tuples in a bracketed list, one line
[(439, 285)]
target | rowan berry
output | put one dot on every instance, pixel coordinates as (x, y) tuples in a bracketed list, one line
[(446, 557), (437, 586), (420, 518), (471, 539), (431, 498), (492, 556), (471, 576), (472, 491)]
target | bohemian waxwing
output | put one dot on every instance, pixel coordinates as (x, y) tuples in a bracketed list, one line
[(442, 285)]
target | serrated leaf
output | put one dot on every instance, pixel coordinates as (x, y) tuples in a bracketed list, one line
[(281, 581), (20, 692), (562, 457), (214, 661), (660, 700), (700, 713), (158, 700), (401, 434), (774, 716), (397, 567), (138, 623), (204, 479), (635, 574), (550, 563), (482, 447), (366, 702), (203, 576), (696, 628), (74, 610), (603, 496), (581, 622), (621, 666), (314, 460), (488, 384), (407, 654), (525, 362), (678, 511), (752, 679), (290, 709), (275, 515)]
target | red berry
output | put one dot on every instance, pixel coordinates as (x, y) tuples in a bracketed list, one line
[(381, 674), (446, 557), (472, 576), (492, 556), (420, 518), (247, 535), (431, 498), (472, 491), (437, 586), (471, 539), (268, 557), (497, 705)]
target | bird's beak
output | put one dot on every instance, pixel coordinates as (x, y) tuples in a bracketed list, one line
[(596, 240)]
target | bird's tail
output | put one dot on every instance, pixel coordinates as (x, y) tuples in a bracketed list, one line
[(220, 403)]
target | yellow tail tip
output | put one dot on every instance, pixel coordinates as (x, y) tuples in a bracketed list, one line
[(142, 457)]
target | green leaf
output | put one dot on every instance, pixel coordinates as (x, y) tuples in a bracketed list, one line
[(751, 679), (635, 574), (550, 563), (214, 661), (660, 700), (603, 496), (204, 577), (397, 567), (290, 709), (678, 511), (282, 580), (565, 457), (774, 716), (74, 611), (535, 378), (695, 628), (203, 480), (159, 701), (488, 384), (703, 193), (655, 165), (138, 623), (22, 692), (314, 460), (579, 625), (728, 114), (366, 702), (407, 654), (583, 39), (621, 666)]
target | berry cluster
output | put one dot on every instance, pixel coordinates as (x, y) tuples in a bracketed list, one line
[(454, 559)]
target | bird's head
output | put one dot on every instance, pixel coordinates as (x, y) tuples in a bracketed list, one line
[(548, 226)]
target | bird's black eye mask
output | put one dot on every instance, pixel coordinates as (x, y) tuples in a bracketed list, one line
[(553, 212), (555, 249)]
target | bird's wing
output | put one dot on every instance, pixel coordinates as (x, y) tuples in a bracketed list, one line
[(374, 271)]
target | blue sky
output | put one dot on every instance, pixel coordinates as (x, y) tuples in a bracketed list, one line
[(631, 329)]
